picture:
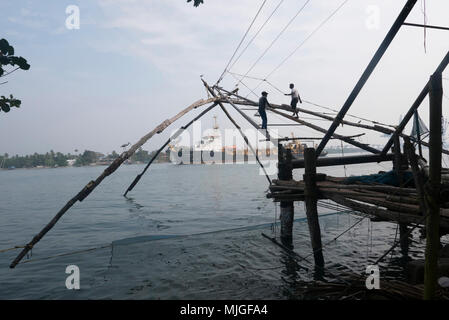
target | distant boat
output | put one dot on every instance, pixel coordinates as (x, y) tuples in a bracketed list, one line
[(11, 168), (211, 151)]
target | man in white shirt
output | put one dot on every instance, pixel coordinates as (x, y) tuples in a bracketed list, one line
[(295, 98)]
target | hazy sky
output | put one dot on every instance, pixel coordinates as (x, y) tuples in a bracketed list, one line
[(134, 63)]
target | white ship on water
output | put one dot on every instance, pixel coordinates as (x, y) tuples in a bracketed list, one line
[(210, 150)]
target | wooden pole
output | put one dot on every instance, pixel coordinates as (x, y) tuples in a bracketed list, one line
[(397, 161), (339, 161), (285, 173), (317, 128), (177, 133), (247, 118), (108, 171), (433, 191), (238, 128), (367, 73), (422, 95), (417, 175), (418, 132), (397, 165), (311, 196), (378, 128)]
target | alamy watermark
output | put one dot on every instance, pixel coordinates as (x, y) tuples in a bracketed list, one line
[(373, 279), (372, 21), (73, 19), (215, 146), (72, 282)]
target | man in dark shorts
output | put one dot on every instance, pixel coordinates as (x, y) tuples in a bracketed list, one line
[(263, 103), (295, 98)]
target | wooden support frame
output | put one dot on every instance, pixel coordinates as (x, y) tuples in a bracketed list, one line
[(433, 190), (175, 135), (339, 161), (212, 92), (426, 26), (441, 67), (367, 73), (108, 171), (317, 128), (311, 200), (378, 128)]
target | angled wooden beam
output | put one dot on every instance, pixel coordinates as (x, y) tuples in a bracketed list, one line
[(433, 190), (212, 92), (415, 105), (367, 73), (337, 136), (339, 161), (425, 26), (378, 128), (108, 171), (173, 137)]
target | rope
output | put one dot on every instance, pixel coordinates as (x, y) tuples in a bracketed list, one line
[(336, 238), (305, 40), (423, 10), (239, 81), (306, 101), (67, 254), (241, 41), (257, 33), (277, 37), (400, 239), (12, 248)]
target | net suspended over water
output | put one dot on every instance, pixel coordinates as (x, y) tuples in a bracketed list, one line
[(228, 264)]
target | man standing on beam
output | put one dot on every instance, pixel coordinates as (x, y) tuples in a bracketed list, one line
[(295, 99), (263, 103)]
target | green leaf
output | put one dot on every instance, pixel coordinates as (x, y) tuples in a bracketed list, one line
[(4, 60), (15, 103), (196, 3), (5, 107), (5, 48)]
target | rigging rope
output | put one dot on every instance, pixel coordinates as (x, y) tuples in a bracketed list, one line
[(306, 101), (423, 10), (241, 41), (256, 34), (277, 37), (305, 40)]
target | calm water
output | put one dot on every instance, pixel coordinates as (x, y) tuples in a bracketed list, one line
[(186, 232)]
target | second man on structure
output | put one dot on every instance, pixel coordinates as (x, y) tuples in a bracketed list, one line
[(295, 98)]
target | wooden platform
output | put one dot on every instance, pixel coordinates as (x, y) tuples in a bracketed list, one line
[(378, 200)]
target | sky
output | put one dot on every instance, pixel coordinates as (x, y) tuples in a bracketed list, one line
[(134, 63)]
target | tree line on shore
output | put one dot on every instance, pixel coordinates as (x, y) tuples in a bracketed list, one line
[(57, 159)]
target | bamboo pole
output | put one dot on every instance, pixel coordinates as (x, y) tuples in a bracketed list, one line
[(367, 73), (317, 128), (108, 171), (337, 161), (417, 175), (378, 212), (441, 67), (175, 135), (311, 194), (377, 128), (433, 195), (285, 172), (238, 128)]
